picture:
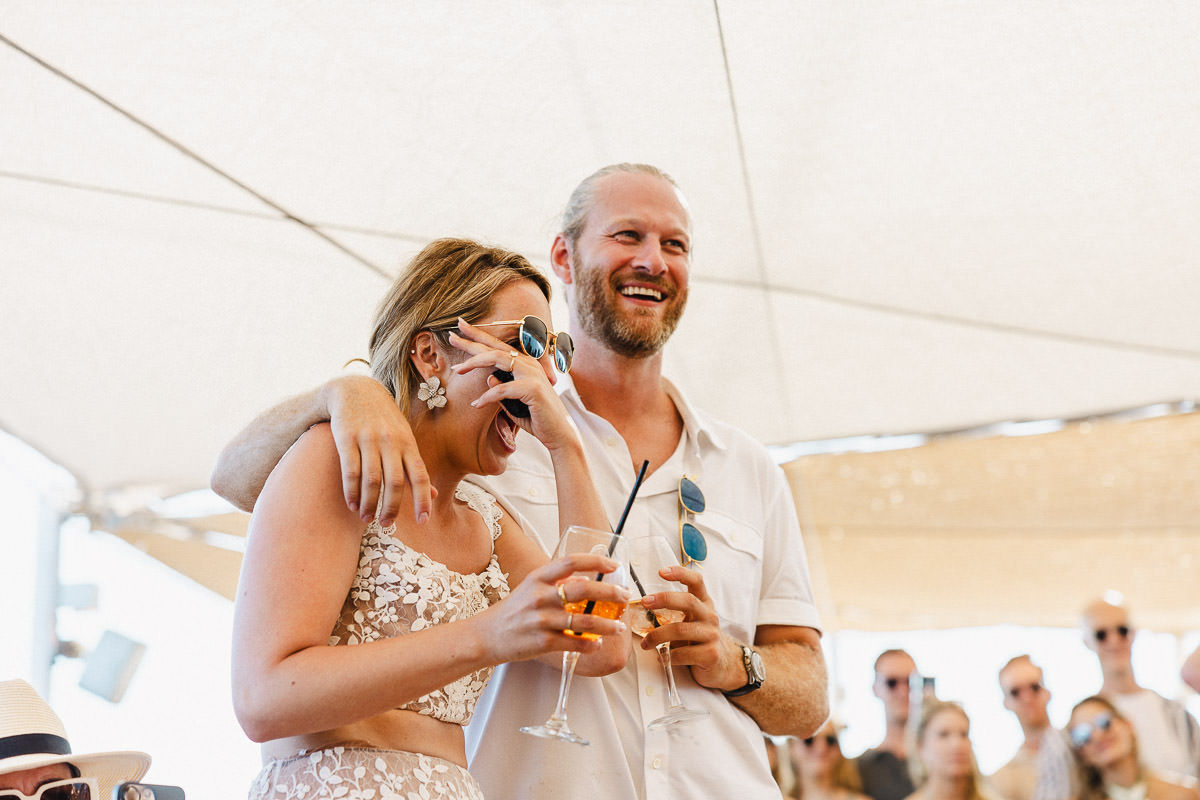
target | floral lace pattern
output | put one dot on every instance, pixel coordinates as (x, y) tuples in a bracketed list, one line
[(363, 773), (398, 590)]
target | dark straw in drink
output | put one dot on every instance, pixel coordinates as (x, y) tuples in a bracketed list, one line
[(637, 484)]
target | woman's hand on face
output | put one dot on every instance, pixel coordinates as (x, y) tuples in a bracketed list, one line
[(531, 621), (532, 383)]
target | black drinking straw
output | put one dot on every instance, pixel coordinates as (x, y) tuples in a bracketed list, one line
[(637, 484)]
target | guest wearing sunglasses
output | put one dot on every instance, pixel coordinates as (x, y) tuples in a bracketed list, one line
[(748, 650), (1170, 736), (822, 772), (884, 768), (36, 762), (1106, 747), (945, 762), (360, 650), (1042, 765)]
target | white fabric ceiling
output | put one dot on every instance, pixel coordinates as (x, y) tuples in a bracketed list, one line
[(910, 216)]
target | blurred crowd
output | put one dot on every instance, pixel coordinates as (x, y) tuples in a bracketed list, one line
[(1123, 742)]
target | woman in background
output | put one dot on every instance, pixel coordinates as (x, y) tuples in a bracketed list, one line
[(945, 763), (1106, 754), (822, 772)]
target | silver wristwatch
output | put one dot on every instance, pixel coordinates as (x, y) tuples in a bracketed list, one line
[(756, 673)]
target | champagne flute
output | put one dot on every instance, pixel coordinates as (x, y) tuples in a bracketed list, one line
[(646, 557), (577, 539)]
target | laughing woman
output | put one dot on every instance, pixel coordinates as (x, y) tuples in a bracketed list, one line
[(1106, 751), (360, 650)]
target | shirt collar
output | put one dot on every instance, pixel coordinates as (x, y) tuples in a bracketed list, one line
[(699, 430)]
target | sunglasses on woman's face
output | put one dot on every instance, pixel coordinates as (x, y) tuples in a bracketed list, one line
[(67, 789), (1081, 734), (1102, 633), (691, 541), (535, 339)]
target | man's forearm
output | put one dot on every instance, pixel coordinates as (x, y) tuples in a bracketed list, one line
[(794, 699), (245, 463)]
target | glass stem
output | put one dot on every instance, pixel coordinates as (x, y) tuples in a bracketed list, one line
[(664, 656), (570, 658)]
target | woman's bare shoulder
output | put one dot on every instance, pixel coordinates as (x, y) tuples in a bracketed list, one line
[(307, 480)]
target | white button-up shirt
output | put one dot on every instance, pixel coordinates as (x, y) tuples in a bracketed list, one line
[(756, 573)]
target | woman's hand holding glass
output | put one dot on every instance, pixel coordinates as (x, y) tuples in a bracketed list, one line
[(581, 615), (534, 620)]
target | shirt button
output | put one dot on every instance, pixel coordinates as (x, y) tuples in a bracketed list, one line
[(533, 492), (649, 691), (657, 762), (611, 441)]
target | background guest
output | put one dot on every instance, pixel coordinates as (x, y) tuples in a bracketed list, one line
[(1107, 750), (1044, 757), (883, 768), (35, 753), (1170, 736), (945, 762), (822, 772)]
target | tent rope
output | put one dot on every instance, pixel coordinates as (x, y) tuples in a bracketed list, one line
[(191, 154)]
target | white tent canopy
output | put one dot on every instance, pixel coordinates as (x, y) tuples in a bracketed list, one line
[(909, 216), (1025, 529)]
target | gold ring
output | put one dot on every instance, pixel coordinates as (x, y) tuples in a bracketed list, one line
[(512, 363), (562, 593)]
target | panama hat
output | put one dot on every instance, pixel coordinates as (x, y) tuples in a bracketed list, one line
[(32, 736)]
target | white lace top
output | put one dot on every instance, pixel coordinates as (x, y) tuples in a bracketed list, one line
[(399, 590)]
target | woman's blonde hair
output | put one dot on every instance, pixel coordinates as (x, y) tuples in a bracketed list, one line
[(920, 772), (450, 278)]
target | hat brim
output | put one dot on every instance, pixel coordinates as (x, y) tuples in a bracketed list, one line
[(109, 769)]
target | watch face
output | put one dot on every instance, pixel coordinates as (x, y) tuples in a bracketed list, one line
[(756, 664)]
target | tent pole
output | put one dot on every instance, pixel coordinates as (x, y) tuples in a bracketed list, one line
[(45, 597)]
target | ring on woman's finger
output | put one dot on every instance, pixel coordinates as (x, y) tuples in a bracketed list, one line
[(570, 622), (512, 363), (562, 593)]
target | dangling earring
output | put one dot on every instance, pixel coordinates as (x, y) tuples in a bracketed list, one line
[(433, 393)]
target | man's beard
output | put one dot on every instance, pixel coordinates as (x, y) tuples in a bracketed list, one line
[(637, 333)]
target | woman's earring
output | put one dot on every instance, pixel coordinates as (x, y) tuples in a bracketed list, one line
[(433, 393)]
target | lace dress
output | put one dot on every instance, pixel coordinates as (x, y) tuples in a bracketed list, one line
[(398, 590)]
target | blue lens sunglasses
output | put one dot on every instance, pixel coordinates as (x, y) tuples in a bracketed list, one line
[(535, 339), (1081, 734), (692, 545)]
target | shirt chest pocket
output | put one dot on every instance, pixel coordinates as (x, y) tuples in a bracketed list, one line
[(732, 571), (533, 497)]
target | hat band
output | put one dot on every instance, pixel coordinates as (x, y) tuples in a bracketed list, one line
[(26, 744)]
